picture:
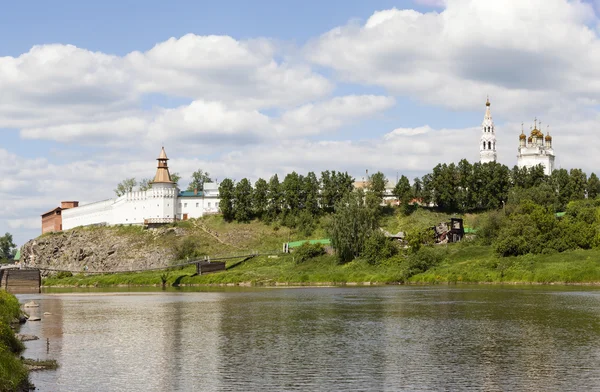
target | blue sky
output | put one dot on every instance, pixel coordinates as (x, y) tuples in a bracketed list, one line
[(90, 91)]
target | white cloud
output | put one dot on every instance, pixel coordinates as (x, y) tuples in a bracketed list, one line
[(527, 55)]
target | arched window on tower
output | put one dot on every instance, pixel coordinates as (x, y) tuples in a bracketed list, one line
[(489, 145), (484, 145)]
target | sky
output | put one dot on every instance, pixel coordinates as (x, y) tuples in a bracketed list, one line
[(91, 91)]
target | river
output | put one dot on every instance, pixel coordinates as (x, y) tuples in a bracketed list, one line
[(431, 338)]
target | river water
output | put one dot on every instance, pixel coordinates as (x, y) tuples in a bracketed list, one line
[(326, 339)]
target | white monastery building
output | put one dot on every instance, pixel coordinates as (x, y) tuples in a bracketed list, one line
[(536, 150), (487, 144), (162, 203)]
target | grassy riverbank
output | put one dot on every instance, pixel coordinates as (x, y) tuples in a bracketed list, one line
[(13, 373), (444, 264)]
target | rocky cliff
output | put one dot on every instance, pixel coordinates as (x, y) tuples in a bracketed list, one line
[(103, 249)]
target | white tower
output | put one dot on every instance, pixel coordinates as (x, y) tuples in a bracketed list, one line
[(487, 144)]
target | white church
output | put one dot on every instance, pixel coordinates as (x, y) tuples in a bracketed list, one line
[(162, 203), (532, 151)]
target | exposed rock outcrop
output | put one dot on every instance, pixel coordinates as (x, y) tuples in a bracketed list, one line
[(103, 249)]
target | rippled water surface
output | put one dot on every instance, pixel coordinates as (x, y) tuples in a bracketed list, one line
[(299, 339)]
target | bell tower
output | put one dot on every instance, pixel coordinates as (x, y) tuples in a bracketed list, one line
[(487, 143)]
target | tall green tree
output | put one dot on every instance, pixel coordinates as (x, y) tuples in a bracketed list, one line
[(291, 193), (352, 223), (560, 181), (7, 247), (593, 186), (377, 183), (242, 201), (125, 186), (226, 194), (311, 194), (417, 188), (403, 190), (274, 198), (199, 178), (328, 190), (260, 198), (343, 184), (578, 184)]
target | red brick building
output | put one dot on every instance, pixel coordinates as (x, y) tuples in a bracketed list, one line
[(52, 220)]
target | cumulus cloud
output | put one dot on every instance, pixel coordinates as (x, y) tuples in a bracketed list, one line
[(527, 55)]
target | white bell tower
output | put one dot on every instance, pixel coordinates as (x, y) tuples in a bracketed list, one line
[(487, 144)]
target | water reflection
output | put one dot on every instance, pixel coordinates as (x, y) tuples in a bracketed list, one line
[(388, 338)]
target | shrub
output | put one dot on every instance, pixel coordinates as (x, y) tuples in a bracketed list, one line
[(378, 247), (308, 251), (187, 248), (63, 274), (9, 340)]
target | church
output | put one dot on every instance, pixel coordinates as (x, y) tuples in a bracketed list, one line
[(162, 203), (533, 150)]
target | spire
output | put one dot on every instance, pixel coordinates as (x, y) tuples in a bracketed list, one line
[(487, 102), (162, 170)]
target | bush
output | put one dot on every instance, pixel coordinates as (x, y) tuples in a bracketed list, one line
[(63, 274), (308, 251), (424, 259), (187, 248), (378, 247)]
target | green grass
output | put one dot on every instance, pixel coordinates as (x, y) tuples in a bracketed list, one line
[(479, 264), (46, 364), (13, 373), (461, 263)]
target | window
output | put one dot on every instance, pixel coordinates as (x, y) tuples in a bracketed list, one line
[(209, 204), (489, 145), (484, 145), (185, 205), (197, 205)]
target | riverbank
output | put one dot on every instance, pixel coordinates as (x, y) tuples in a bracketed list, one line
[(456, 263), (14, 375)]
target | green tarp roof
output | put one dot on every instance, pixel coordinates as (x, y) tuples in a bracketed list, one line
[(295, 244), (17, 255)]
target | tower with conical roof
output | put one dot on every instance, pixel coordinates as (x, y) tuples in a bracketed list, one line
[(536, 149), (162, 178), (487, 143)]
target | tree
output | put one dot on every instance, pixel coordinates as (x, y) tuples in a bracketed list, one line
[(274, 198), (402, 190), (593, 186), (417, 188), (310, 186), (7, 247), (377, 185), (260, 198), (199, 178), (125, 186), (351, 224), (242, 201), (226, 194), (578, 184), (145, 184), (291, 193), (175, 177)]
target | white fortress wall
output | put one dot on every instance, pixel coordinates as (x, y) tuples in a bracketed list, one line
[(88, 214)]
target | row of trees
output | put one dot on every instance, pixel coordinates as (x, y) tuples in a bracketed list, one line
[(199, 178), (472, 187), (295, 195)]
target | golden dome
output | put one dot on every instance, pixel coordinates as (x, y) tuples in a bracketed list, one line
[(537, 133), (548, 138), (522, 136)]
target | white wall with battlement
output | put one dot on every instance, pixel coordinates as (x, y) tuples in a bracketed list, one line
[(156, 205)]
